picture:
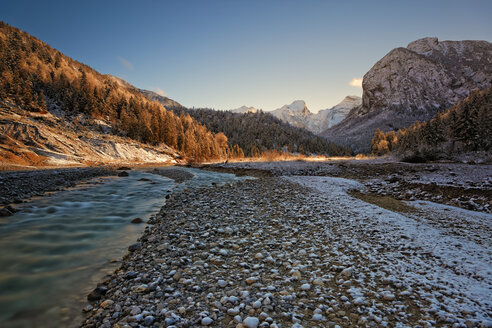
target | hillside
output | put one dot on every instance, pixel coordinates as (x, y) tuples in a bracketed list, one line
[(55, 110), (465, 127), (256, 132), (412, 84)]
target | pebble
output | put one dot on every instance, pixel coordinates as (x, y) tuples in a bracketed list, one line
[(149, 320), (207, 321), (251, 322)]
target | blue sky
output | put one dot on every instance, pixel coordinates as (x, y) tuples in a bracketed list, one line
[(225, 54)]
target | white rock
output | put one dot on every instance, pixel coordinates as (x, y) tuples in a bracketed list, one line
[(207, 321), (251, 322), (305, 286)]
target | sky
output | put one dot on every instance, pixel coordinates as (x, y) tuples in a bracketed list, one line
[(228, 53)]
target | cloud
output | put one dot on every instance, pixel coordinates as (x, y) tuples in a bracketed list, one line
[(125, 63), (160, 92), (356, 82)]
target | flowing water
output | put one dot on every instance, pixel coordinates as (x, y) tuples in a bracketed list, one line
[(55, 249)]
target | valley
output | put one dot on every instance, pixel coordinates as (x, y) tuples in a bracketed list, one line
[(139, 188)]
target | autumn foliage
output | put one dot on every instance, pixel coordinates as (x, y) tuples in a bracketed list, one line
[(35, 77)]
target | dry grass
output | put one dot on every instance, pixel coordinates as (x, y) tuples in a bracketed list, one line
[(385, 202)]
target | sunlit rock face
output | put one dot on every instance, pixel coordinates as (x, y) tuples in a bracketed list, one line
[(428, 74), (412, 84)]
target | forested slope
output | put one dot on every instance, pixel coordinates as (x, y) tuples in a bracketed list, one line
[(39, 79), (465, 127), (258, 132)]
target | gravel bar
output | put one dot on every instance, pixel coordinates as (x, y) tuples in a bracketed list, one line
[(272, 253)]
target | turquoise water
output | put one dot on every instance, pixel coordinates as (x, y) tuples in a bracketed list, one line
[(55, 249)]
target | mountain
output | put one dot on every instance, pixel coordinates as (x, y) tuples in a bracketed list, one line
[(297, 114), (57, 111), (412, 84), (244, 110)]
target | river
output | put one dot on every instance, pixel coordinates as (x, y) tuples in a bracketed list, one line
[(56, 248)]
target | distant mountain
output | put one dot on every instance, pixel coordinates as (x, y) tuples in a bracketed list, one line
[(412, 84), (297, 114), (244, 110), (55, 110)]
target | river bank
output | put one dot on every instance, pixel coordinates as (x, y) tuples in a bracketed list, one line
[(293, 252), (17, 186)]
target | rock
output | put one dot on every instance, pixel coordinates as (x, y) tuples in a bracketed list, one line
[(124, 168), (251, 280), (206, 321), (107, 303), (149, 320), (134, 247), (5, 212), (136, 220), (144, 179), (123, 174), (251, 322), (305, 287), (97, 293), (131, 275), (388, 296), (296, 274), (347, 273), (141, 288), (88, 308), (222, 283)]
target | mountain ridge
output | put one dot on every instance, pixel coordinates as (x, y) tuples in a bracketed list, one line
[(412, 84)]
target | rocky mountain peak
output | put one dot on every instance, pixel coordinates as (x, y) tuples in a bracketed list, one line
[(298, 106), (424, 45)]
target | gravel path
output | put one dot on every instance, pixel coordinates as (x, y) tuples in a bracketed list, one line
[(272, 252)]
